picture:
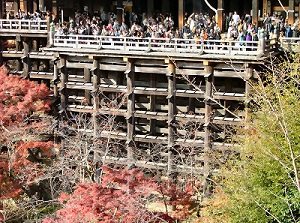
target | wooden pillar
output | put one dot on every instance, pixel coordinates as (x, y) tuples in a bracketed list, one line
[(291, 12), (95, 93), (42, 5), (152, 104), (87, 79), (35, 45), (35, 5), (249, 75), (63, 81), (171, 114), (25, 6), (55, 87), (16, 6), (255, 12), (150, 6), (18, 48), (54, 9), (25, 58), (120, 11), (181, 12), (130, 76), (269, 6), (265, 6), (220, 14), (207, 125)]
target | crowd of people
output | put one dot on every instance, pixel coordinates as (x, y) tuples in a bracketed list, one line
[(198, 26)]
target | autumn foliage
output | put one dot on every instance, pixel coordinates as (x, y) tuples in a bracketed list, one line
[(20, 98), (122, 197)]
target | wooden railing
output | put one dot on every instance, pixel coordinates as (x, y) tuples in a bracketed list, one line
[(291, 43), (228, 47), (23, 26)]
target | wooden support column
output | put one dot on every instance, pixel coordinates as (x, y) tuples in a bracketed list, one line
[(35, 5), (181, 12), (171, 114), (152, 104), (25, 6), (63, 81), (95, 93), (130, 77), (54, 9), (220, 18), (265, 7), (42, 5), (120, 11), (291, 12), (255, 11), (87, 79), (35, 45), (249, 75), (55, 87), (207, 125), (25, 58), (18, 48), (16, 6)]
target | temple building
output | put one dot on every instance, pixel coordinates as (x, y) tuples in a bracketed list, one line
[(175, 102)]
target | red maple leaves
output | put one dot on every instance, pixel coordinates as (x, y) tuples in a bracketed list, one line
[(121, 197), (20, 98)]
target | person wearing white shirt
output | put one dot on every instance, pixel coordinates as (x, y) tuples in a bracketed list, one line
[(236, 18)]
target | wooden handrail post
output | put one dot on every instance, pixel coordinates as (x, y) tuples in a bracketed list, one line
[(149, 43), (261, 46), (124, 44)]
